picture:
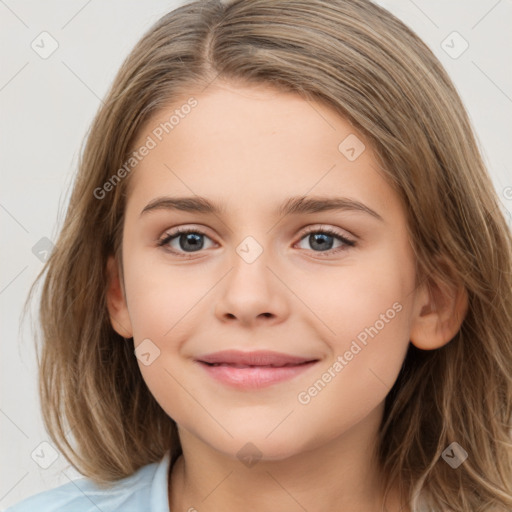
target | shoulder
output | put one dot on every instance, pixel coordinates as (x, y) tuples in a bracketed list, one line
[(144, 491)]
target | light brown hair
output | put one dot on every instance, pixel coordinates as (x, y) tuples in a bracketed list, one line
[(375, 72)]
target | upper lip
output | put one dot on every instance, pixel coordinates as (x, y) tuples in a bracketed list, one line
[(257, 358)]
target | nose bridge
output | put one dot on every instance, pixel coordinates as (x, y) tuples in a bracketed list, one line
[(251, 289), (250, 267), (250, 249)]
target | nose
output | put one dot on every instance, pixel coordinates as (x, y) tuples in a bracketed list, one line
[(252, 293)]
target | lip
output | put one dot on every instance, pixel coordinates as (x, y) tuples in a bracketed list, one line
[(253, 370)]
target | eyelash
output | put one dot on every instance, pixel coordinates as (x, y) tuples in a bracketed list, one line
[(326, 231)]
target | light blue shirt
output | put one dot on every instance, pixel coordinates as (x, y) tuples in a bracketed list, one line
[(144, 491)]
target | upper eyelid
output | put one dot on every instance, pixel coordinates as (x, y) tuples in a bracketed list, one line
[(327, 227), (184, 229)]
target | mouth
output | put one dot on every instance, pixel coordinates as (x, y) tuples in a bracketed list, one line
[(233, 365), (253, 370)]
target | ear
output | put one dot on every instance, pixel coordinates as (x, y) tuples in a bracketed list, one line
[(440, 308), (116, 301)]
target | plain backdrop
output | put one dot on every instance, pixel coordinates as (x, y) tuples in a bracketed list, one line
[(47, 105)]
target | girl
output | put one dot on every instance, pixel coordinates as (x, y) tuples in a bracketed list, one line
[(284, 281)]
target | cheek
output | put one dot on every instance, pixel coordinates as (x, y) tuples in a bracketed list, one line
[(169, 388), (161, 298), (372, 322), (367, 354)]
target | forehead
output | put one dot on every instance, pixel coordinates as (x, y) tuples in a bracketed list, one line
[(251, 144)]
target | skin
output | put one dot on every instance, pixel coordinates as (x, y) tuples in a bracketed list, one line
[(250, 149)]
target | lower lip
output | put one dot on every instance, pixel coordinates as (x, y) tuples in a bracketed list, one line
[(254, 377)]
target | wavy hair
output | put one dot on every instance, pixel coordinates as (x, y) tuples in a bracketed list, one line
[(366, 65)]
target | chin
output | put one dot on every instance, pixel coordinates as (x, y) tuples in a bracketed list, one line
[(252, 445)]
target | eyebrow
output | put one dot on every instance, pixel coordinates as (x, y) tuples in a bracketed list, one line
[(293, 205)]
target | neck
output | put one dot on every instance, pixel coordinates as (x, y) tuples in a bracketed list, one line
[(341, 474)]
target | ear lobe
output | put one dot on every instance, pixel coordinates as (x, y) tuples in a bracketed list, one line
[(441, 309), (116, 302)]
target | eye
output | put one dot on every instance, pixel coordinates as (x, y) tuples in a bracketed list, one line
[(183, 240), (322, 240)]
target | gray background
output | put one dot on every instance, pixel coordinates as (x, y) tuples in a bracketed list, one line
[(47, 106)]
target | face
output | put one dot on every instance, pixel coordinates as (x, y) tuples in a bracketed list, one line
[(334, 287)]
